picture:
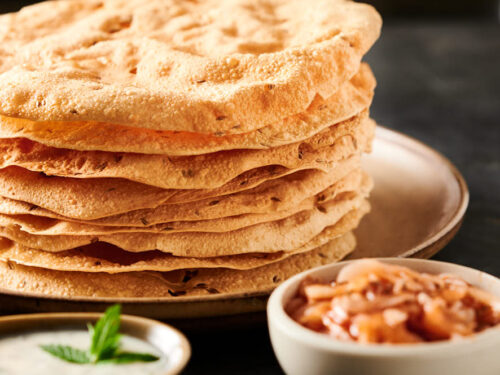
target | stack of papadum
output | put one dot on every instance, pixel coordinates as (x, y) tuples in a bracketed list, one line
[(169, 148)]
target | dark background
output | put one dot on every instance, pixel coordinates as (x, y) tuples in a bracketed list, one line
[(438, 70), (388, 8)]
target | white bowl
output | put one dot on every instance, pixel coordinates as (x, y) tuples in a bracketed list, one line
[(302, 351), (168, 340)]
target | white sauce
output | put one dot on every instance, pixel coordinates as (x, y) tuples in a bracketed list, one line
[(21, 355)]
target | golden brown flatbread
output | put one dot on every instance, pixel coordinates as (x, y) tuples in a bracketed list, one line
[(351, 99), (97, 198), (175, 284), (204, 67), (57, 225), (101, 257), (281, 235), (187, 172)]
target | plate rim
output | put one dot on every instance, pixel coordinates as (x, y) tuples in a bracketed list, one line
[(385, 133), (456, 220)]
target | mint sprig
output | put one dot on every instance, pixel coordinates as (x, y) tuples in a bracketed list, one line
[(105, 338), (104, 344), (67, 353)]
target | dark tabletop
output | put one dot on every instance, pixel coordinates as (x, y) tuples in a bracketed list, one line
[(438, 81)]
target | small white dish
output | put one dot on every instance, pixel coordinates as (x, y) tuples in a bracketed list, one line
[(168, 340), (302, 351)]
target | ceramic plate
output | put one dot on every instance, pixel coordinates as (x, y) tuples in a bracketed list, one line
[(418, 204)]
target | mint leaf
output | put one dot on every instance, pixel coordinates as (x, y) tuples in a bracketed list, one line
[(67, 353), (105, 339), (128, 357), (104, 344)]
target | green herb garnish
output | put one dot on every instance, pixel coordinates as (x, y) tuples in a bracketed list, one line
[(104, 344), (67, 353)]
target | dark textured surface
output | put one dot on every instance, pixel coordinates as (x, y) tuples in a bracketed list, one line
[(400, 8), (440, 83)]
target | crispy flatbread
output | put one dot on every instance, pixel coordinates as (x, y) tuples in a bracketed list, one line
[(174, 284), (244, 182), (178, 149), (204, 67), (97, 198), (353, 97), (43, 225), (136, 218), (187, 172), (275, 196), (101, 257), (281, 235)]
